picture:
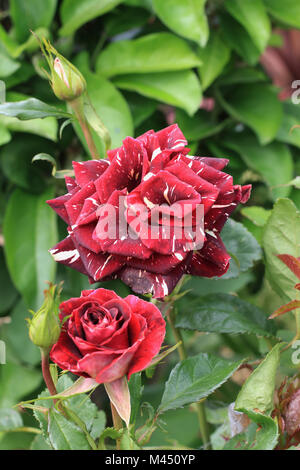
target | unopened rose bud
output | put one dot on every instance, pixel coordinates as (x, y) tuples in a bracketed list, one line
[(44, 327), (67, 82)]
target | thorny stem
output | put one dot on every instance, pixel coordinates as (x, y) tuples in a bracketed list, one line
[(199, 407), (77, 107), (47, 375), (117, 422)]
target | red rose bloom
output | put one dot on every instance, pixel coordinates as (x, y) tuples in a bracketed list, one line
[(153, 169), (106, 337)]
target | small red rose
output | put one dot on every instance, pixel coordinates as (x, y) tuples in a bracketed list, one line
[(106, 337)]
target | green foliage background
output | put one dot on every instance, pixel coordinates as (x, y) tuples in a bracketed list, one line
[(146, 62)]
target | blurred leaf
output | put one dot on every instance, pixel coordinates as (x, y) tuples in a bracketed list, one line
[(64, 434), (98, 424), (15, 334), (7, 65), (5, 135), (8, 293), (44, 127), (238, 39), (282, 236), (214, 57), (287, 132), (188, 18), (31, 14), (257, 106), (258, 390), (9, 420), (16, 163), (11, 374), (243, 75), (29, 232), (157, 52), (180, 89), (222, 313), (288, 13), (253, 17), (258, 215), (264, 436), (108, 103), (273, 162), (242, 246), (195, 378), (39, 443), (141, 108), (31, 109), (74, 13), (136, 391)]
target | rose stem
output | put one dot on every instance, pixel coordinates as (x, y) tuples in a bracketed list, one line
[(77, 106), (46, 373), (199, 407), (117, 422)]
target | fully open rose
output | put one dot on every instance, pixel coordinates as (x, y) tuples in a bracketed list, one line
[(153, 171), (106, 337)]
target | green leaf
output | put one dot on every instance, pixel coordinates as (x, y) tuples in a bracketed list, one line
[(157, 52), (264, 436), (258, 215), (242, 246), (258, 390), (15, 335), (29, 232), (5, 135), (222, 313), (8, 292), (64, 434), (181, 89), (9, 420), (98, 426), (287, 132), (238, 39), (141, 108), (243, 75), (186, 18), (28, 380), (31, 14), (136, 391), (108, 102), (214, 57), (282, 236), (39, 443), (74, 13), (195, 378), (8, 66), (288, 13), (251, 14), (257, 106), (273, 162), (31, 109), (199, 126)]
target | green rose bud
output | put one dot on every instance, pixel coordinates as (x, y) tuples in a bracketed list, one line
[(67, 82), (44, 327)]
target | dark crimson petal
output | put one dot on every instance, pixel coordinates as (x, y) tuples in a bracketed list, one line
[(212, 260), (89, 170), (66, 253), (66, 355), (125, 170), (100, 294), (58, 204), (208, 191), (159, 285), (225, 205), (154, 333), (106, 366), (157, 263), (84, 236), (101, 265), (119, 339), (75, 204), (171, 138), (89, 210), (217, 163)]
